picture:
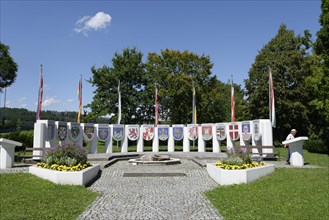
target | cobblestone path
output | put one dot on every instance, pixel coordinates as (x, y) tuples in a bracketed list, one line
[(152, 197)]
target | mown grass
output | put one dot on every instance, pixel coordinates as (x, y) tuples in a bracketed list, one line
[(288, 193), (24, 196), (309, 158)]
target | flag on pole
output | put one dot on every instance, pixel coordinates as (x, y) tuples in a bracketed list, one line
[(156, 106), (80, 98), (38, 116), (271, 100), (119, 104), (194, 119), (232, 101)]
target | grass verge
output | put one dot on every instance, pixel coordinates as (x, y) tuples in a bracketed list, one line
[(288, 193), (24, 196)]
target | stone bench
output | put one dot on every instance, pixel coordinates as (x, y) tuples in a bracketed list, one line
[(263, 155), (7, 152)]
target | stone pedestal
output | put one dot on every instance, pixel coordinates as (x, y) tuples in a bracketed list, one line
[(296, 151), (7, 152), (215, 142)]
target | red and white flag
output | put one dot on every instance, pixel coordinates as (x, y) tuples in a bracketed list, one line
[(80, 98), (232, 102), (119, 103), (271, 100), (156, 106), (38, 115)]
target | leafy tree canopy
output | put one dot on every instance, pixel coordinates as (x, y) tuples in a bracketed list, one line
[(129, 69), (318, 83), (8, 67), (172, 72), (288, 57)]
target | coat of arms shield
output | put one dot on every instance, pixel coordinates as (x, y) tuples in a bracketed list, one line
[(220, 131), (51, 130), (88, 132), (62, 131), (178, 132), (103, 132), (257, 135), (246, 133), (133, 132), (74, 132), (192, 131), (118, 132), (234, 131), (206, 130), (148, 132), (163, 132)]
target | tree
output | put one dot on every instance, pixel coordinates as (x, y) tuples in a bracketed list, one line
[(129, 69), (174, 72), (288, 57), (318, 83), (8, 67)]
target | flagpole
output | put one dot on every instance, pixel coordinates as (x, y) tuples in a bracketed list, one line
[(119, 104), (193, 108), (271, 99), (119, 108), (232, 100), (80, 98), (156, 106), (39, 109)]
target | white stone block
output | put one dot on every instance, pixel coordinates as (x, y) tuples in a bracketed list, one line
[(229, 177)]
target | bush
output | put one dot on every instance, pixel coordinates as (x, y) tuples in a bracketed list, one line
[(24, 137), (316, 146), (238, 156), (67, 154)]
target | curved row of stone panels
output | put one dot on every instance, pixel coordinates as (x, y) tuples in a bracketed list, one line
[(48, 133)]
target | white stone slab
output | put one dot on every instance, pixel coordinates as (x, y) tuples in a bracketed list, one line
[(296, 150), (7, 152)]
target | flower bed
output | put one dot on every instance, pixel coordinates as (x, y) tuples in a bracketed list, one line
[(238, 167), (66, 164), (82, 177), (238, 176), (77, 167)]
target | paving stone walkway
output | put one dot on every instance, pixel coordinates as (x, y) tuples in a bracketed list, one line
[(152, 197)]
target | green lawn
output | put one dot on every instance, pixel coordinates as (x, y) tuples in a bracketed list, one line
[(24, 196), (288, 193)]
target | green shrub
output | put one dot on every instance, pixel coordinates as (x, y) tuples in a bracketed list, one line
[(67, 154), (316, 146), (237, 156), (24, 137), (233, 161)]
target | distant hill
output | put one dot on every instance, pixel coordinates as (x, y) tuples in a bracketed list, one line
[(12, 119)]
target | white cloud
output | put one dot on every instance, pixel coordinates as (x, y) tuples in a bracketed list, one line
[(68, 100), (8, 104), (50, 101), (22, 99), (96, 23)]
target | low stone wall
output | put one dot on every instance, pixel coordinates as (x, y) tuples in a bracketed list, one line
[(228, 177), (82, 177)]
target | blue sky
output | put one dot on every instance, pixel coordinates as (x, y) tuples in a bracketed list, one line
[(69, 37)]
